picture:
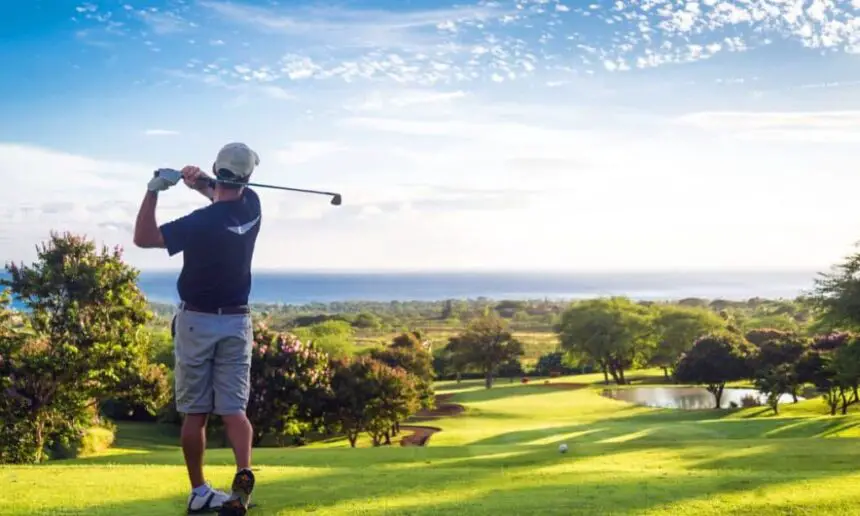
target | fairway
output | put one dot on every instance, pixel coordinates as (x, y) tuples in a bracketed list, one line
[(499, 457)]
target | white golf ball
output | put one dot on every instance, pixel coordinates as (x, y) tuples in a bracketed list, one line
[(562, 448)]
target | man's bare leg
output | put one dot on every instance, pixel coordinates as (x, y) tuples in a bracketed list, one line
[(194, 446), (241, 435)]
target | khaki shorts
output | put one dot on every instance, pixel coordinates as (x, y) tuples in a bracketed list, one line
[(213, 362)]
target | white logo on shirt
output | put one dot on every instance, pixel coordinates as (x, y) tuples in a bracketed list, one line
[(244, 228)]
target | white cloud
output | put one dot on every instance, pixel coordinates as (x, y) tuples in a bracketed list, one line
[(510, 134), (160, 132), (306, 151), (276, 92), (466, 174), (497, 41), (162, 23), (385, 100), (353, 27), (800, 126)]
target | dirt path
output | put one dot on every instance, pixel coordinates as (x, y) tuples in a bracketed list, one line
[(562, 385), (420, 435), (443, 409)]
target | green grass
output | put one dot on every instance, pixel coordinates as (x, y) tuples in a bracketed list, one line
[(500, 457)]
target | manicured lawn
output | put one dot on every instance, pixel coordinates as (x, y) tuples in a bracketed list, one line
[(500, 457)]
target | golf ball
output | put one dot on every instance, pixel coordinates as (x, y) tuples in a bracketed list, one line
[(562, 448)]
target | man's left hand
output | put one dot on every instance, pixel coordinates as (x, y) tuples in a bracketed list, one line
[(164, 179)]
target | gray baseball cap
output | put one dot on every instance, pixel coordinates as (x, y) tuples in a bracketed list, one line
[(239, 159)]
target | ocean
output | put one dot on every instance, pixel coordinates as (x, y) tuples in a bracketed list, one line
[(303, 288)]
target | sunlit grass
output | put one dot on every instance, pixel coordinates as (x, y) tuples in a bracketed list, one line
[(500, 457)]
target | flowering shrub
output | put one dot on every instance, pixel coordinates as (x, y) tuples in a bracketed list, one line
[(290, 383), (76, 344), (370, 396), (831, 341)]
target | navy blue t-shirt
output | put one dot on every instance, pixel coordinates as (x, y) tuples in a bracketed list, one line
[(217, 243)]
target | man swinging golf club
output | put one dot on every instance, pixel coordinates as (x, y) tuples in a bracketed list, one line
[(212, 327)]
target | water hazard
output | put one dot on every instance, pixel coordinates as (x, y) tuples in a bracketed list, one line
[(688, 398)]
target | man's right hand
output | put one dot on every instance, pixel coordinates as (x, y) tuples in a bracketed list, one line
[(195, 178)]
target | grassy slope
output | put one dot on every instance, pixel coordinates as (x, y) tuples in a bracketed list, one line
[(536, 343), (501, 457)]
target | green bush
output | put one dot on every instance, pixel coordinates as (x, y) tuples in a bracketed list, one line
[(83, 442), (17, 441), (81, 346)]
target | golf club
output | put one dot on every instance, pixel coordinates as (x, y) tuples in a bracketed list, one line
[(336, 197)]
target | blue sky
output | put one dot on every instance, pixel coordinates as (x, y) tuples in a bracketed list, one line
[(509, 134)]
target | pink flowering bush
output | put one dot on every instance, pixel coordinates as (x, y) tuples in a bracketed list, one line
[(290, 385)]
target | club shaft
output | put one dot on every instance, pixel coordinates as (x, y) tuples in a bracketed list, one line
[(260, 185), (291, 189)]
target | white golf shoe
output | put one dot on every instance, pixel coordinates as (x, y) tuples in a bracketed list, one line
[(208, 503)]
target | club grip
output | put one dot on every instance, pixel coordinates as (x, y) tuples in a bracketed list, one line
[(204, 182)]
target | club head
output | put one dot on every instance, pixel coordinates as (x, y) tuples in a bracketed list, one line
[(336, 200)]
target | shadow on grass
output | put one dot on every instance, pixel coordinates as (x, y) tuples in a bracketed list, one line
[(500, 393), (460, 480), (657, 427)]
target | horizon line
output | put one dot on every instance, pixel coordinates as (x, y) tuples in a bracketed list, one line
[(466, 270)]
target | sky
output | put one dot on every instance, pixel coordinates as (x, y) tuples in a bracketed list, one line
[(492, 135)]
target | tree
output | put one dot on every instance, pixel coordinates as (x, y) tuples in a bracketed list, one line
[(784, 322), (846, 366), (774, 381), (83, 344), (714, 360), (774, 363), (616, 333), (350, 393), (411, 340), (816, 367), (414, 361), (367, 320), (677, 329), (290, 384), (511, 369), (832, 365), (334, 337), (759, 336), (369, 396), (554, 363), (485, 345), (837, 295), (394, 398)]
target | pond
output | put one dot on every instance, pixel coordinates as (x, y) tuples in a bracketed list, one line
[(687, 398)]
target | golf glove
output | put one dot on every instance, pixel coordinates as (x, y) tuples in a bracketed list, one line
[(163, 179)]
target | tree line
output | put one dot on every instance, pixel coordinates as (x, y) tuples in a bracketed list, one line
[(698, 345)]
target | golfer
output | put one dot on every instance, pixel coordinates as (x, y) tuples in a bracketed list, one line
[(212, 328)]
